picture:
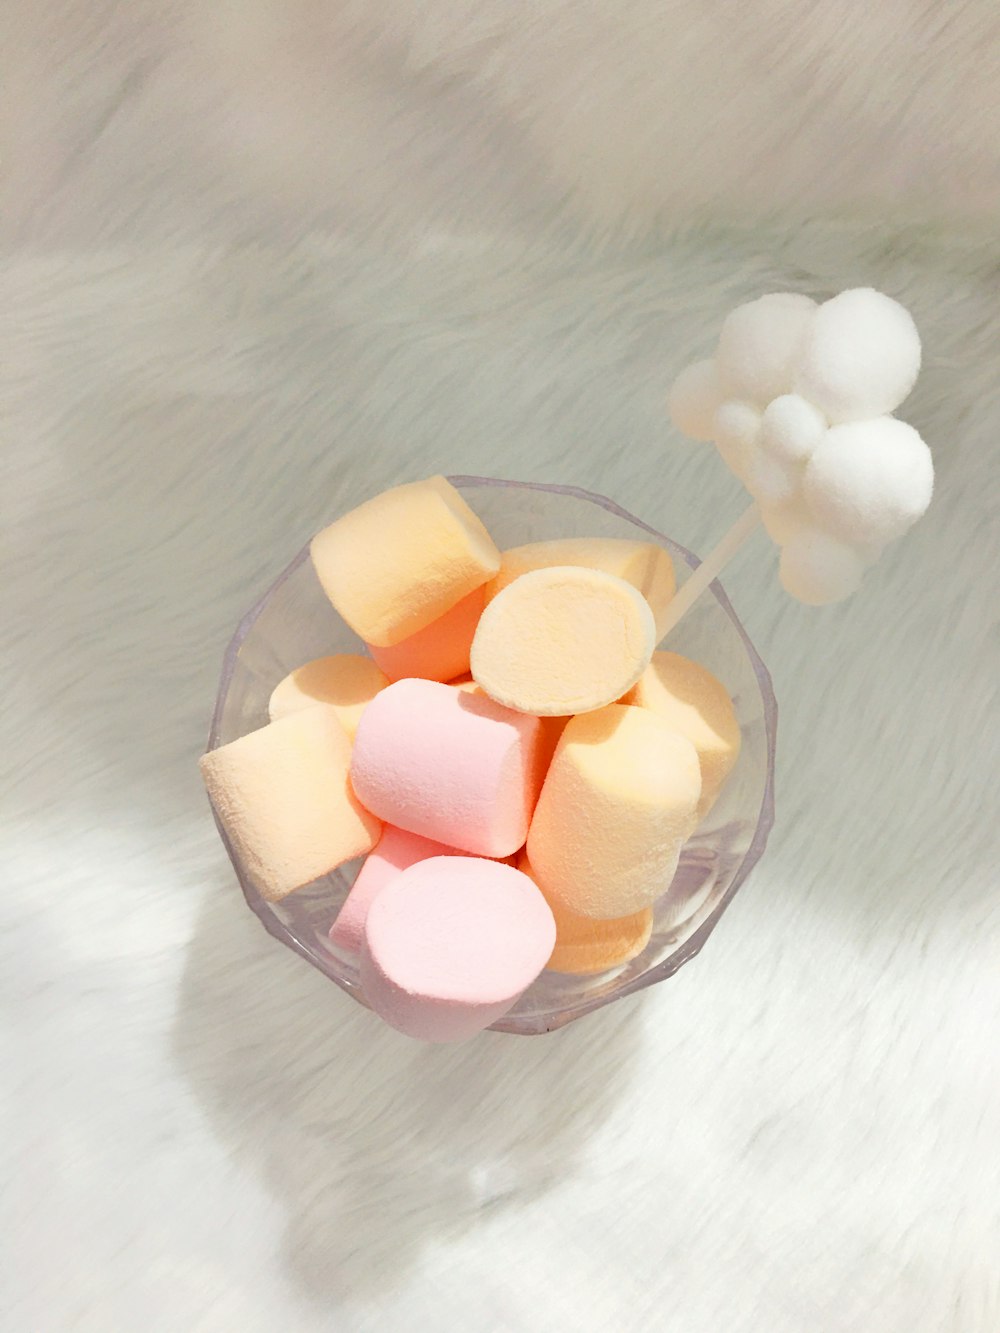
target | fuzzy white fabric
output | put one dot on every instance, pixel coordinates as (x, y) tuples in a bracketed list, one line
[(256, 267)]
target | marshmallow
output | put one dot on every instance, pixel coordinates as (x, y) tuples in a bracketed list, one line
[(737, 428), (396, 851), (869, 480), (439, 651), (791, 429), (448, 764), (646, 566), (696, 705), (584, 945), (451, 944), (347, 681), (403, 559), (861, 356), (283, 797), (620, 798), (694, 400), (550, 730), (759, 346), (817, 569), (563, 640)]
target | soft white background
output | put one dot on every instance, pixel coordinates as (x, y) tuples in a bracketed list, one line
[(259, 265)]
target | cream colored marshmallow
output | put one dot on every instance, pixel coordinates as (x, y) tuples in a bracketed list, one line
[(619, 800), (584, 945), (563, 640), (283, 796), (697, 705), (348, 681), (646, 566), (403, 559)]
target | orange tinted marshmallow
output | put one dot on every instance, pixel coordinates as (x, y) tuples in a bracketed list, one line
[(403, 559), (646, 566), (696, 704), (439, 651), (585, 945), (348, 681), (619, 801), (283, 796), (563, 640)]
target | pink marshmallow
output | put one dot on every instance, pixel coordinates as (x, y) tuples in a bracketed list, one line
[(397, 850), (449, 764), (451, 944)]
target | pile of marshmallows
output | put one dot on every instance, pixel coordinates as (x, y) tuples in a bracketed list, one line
[(798, 400), (517, 764)]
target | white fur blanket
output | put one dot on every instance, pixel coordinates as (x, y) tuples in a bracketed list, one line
[(238, 293)]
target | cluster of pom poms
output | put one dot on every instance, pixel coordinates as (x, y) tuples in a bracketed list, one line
[(799, 400)]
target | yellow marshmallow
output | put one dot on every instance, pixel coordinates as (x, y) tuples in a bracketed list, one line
[(283, 796), (698, 706), (584, 945), (348, 681), (643, 564), (562, 640), (403, 559), (619, 800)]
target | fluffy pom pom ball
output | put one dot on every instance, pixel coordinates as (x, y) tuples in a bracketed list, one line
[(860, 356), (760, 343), (791, 428), (736, 430), (769, 480), (694, 400), (784, 521), (818, 569), (868, 481)]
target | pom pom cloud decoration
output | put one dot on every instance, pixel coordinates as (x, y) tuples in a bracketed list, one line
[(798, 400)]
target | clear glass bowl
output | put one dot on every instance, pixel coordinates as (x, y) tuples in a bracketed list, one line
[(294, 622)]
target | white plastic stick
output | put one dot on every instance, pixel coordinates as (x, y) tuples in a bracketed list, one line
[(710, 568)]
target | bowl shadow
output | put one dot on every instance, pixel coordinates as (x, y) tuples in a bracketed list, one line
[(375, 1145)]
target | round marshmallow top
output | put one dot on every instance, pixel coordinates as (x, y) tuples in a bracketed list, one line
[(861, 356), (450, 945), (563, 640), (645, 565), (395, 852)]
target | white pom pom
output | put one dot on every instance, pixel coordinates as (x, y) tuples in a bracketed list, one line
[(869, 480), (760, 343), (792, 428), (736, 430), (817, 569), (784, 521), (694, 400), (769, 480), (861, 356)]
